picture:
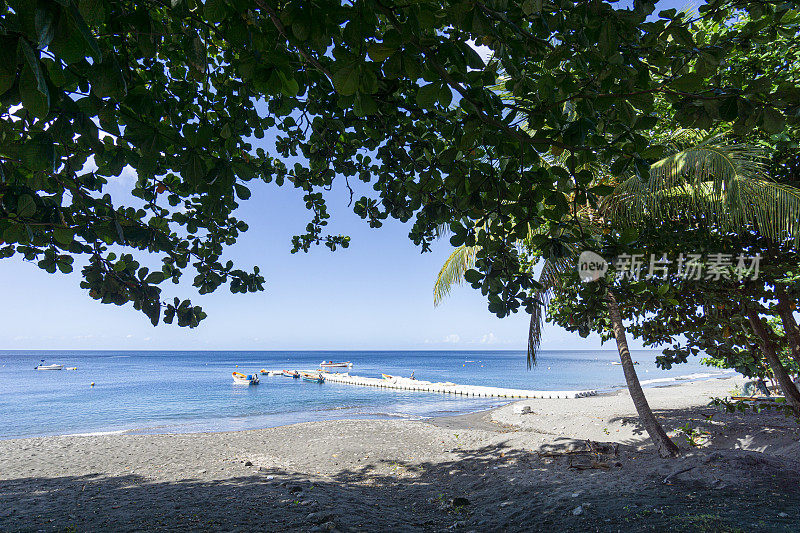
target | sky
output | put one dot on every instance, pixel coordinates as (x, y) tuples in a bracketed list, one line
[(374, 295)]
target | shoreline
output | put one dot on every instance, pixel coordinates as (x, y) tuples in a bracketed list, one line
[(173, 428), (497, 469)]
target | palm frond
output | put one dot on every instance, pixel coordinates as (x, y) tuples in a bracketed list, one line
[(552, 270), (723, 183), (452, 272)]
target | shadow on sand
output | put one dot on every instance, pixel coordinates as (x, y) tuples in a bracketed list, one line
[(490, 489)]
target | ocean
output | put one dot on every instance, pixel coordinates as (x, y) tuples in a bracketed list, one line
[(192, 391)]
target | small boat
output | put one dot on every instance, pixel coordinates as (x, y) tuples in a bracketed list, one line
[(263, 372), (313, 378), (386, 376), (49, 367), (245, 379), (72, 368), (270, 372), (331, 364), (294, 374)]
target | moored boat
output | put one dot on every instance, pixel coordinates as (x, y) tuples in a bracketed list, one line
[(245, 379), (49, 367), (293, 374), (331, 364), (313, 378)]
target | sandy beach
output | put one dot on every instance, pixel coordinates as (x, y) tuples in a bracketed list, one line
[(567, 465)]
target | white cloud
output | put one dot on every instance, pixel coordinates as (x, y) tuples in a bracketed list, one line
[(489, 338), (452, 338)]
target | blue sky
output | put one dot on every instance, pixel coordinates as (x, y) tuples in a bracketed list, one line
[(377, 294)]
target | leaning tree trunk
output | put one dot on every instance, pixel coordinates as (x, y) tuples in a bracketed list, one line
[(665, 447), (789, 324), (789, 389)]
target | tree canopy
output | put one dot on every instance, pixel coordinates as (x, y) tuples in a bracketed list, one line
[(390, 93)]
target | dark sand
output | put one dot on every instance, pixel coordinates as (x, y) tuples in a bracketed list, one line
[(490, 471)]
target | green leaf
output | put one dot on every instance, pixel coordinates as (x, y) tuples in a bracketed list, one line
[(241, 191), (301, 29), (86, 33), (290, 87), (154, 278), (8, 62), (445, 95), (472, 276), (195, 169), (215, 10), (379, 51), (428, 95), (365, 105), (108, 81), (39, 153), (26, 206), (44, 22), (63, 235), (33, 101), (33, 63), (345, 80), (772, 120)]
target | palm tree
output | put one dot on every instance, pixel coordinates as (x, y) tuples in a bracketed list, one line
[(721, 182)]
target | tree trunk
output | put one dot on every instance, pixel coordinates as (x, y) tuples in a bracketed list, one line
[(789, 323), (789, 389), (665, 447)]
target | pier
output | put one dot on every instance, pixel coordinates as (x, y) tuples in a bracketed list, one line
[(450, 388)]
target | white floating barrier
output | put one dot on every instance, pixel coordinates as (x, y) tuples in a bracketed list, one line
[(451, 388)]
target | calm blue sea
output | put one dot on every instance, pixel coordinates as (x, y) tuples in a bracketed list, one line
[(170, 392)]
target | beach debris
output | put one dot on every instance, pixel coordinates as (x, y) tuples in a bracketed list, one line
[(585, 462), (584, 455), (577, 511), (522, 409), (783, 515), (248, 463), (667, 479)]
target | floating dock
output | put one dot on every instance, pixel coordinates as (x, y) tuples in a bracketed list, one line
[(450, 388)]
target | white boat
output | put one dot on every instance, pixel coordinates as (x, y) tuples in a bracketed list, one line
[(49, 367), (331, 364), (245, 379)]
